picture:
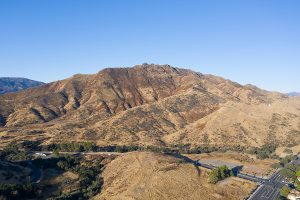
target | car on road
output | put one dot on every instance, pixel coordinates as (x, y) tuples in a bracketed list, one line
[(40, 154)]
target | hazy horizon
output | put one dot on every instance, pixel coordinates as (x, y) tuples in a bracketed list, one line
[(255, 42)]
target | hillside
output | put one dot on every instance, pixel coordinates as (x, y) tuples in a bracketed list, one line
[(16, 84), (13, 173), (150, 105), (158, 176)]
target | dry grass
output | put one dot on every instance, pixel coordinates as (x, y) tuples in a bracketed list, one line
[(144, 175), (280, 151)]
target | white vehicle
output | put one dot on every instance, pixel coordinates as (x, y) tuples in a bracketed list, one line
[(40, 154)]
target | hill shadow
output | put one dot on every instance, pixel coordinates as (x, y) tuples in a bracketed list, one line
[(187, 160)]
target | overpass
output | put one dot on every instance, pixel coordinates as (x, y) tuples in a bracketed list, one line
[(245, 176)]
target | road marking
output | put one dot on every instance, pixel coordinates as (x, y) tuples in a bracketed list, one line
[(275, 194)]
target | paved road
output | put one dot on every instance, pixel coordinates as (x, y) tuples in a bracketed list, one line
[(270, 189), (240, 175), (49, 153)]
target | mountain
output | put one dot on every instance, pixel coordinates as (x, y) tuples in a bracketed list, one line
[(16, 84), (293, 94), (156, 105)]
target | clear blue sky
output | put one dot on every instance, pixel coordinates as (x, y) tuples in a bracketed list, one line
[(248, 41)]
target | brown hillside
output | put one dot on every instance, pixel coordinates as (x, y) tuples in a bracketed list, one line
[(149, 105), (156, 176)]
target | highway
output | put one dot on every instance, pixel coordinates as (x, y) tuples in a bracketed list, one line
[(270, 189)]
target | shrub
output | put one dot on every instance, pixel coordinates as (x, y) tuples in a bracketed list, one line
[(288, 151), (277, 165), (266, 151)]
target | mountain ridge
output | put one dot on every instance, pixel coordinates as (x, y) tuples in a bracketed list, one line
[(15, 84), (293, 94), (144, 105)]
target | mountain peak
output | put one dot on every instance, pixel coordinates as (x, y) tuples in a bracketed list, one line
[(146, 104)]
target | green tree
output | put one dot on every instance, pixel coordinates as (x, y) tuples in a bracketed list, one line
[(218, 174), (224, 171), (285, 190), (214, 176)]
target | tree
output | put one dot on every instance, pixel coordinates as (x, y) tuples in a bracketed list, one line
[(297, 184), (218, 174), (285, 190), (56, 152), (224, 171), (214, 176)]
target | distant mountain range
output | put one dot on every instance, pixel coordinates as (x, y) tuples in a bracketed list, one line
[(16, 84), (293, 94)]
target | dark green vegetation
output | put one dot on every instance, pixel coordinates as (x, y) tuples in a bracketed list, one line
[(89, 172), (182, 149), (292, 172), (284, 161), (89, 175), (266, 151), (71, 147), (12, 152), (18, 191), (219, 174)]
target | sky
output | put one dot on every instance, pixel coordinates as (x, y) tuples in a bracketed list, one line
[(247, 41)]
